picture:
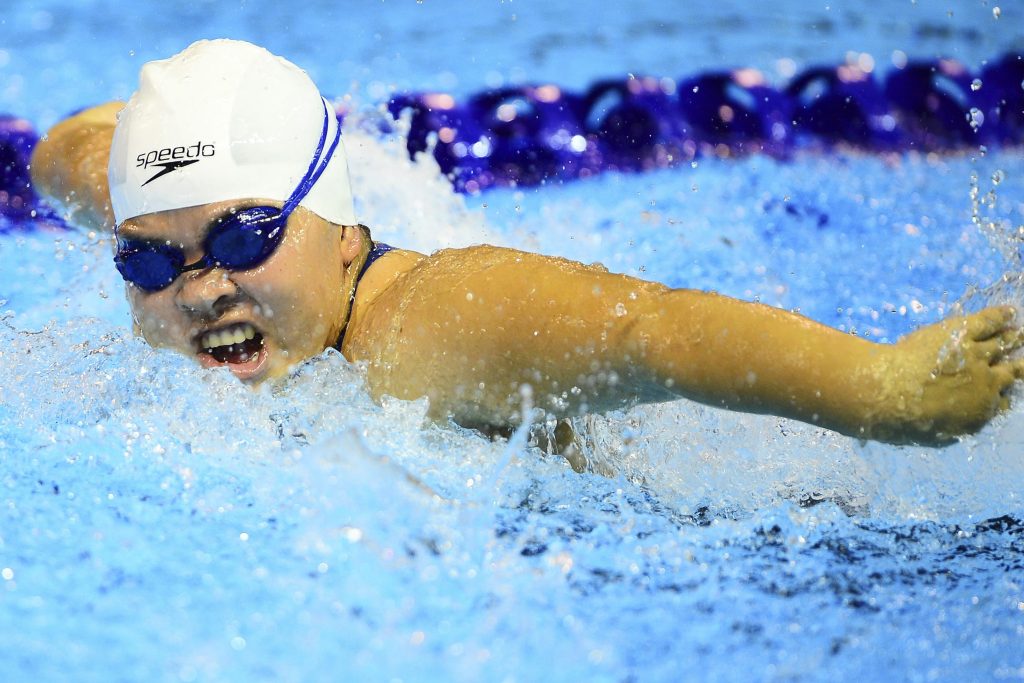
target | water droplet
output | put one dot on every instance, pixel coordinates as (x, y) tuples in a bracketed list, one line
[(976, 84), (975, 118)]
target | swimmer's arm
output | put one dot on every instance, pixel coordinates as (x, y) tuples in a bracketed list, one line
[(585, 340), (940, 382), (69, 166)]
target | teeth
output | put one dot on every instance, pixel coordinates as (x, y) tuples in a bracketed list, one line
[(236, 334)]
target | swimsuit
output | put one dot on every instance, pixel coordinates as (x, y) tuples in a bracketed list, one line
[(377, 249)]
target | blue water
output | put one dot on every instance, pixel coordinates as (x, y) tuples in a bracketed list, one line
[(163, 523)]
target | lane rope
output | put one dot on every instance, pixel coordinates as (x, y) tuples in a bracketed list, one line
[(537, 134)]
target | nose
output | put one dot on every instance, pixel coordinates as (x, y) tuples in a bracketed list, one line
[(206, 293)]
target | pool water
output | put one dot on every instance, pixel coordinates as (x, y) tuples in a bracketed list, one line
[(160, 522)]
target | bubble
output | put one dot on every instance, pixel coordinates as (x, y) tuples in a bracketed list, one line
[(996, 12), (976, 84)]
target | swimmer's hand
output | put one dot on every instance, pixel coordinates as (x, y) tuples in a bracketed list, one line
[(69, 166), (947, 379)]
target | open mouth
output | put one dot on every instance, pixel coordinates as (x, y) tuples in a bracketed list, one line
[(234, 344)]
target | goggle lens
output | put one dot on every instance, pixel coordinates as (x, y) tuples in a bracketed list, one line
[(148, 266), (246, 239), (240, 242)]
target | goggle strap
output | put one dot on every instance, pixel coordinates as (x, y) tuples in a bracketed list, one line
[(316, 167)]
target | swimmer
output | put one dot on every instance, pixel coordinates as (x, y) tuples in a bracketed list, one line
[(225, 182)]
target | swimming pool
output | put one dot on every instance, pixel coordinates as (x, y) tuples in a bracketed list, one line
[(164, 523)]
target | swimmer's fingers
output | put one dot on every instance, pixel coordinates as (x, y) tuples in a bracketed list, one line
[(1011, 370), (989, 322), (1012, 339), (997, 347), (1006, 375)]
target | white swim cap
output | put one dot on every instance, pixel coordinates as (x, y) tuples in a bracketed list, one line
[(224, 120)]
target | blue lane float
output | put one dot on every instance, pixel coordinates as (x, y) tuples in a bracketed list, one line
[(537, 134), (934, 105), (842, 106), (631, 124), (1000, 97), (530, 135), (17, 138), (736, 113)]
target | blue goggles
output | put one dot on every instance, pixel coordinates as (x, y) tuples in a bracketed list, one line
[(240, 241)]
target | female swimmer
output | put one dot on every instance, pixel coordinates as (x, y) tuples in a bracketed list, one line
[(225, 181)]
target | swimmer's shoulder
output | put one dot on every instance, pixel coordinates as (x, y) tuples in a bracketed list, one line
[(384, 273), (69, 165), (399, 267), (402, 277), (399, 273), (403, 283), (463, 261)]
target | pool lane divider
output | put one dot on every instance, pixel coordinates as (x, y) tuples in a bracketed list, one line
[(537, 134)]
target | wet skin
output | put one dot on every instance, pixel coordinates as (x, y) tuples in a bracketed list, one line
[(484, 331)]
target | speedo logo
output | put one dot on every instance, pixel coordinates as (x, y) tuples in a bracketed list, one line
[(170, 159)]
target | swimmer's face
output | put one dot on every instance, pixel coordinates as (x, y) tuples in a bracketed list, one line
[(256, 322)]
